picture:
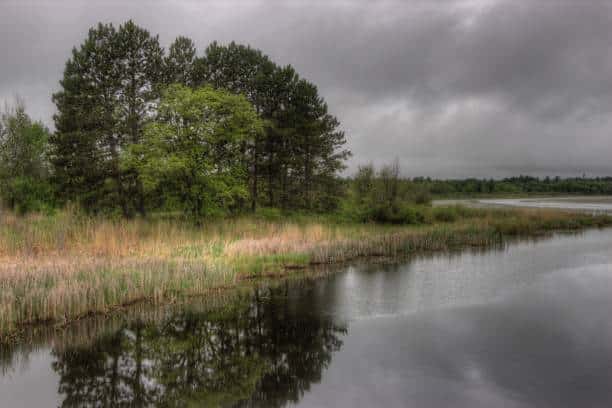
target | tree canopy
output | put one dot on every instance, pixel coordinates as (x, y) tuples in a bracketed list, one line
[(192, 153), (126, 142), (24, 166), (111, 90), (296, 162), (108, 93)]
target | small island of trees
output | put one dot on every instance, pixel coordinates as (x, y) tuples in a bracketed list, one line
[(177, 172)]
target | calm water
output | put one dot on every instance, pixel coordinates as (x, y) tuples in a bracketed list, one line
[(593, 204), (528, 325), (590, 204)]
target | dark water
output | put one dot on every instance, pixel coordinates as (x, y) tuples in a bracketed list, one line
[(529, 325)]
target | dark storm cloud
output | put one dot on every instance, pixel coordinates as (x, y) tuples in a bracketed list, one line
[(458, 88)]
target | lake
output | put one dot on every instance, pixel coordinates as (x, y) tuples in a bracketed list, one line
[(592, 204), (526, 324)]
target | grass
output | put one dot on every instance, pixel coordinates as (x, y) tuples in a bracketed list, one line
[(63, 267)]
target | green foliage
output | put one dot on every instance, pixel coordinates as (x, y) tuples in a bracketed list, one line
[(446, 214), (269, 214), (24, 168), (381, 196), (110, 91), (107, 95), (522, 185), (363, 182), (180, 63), (396, 214), (421, 196), (192, 153), (294, 163), (26, 194)]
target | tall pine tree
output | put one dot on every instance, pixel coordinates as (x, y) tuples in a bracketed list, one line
[(109, 90), (180, 63), (295, 164)]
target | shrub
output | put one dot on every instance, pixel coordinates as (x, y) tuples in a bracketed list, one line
[(24, 194), (395, 214), (422, 197), (445, 214), (269, 214)]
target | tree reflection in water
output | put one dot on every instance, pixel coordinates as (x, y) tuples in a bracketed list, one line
[(258, 351)]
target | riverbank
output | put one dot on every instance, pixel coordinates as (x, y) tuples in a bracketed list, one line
[(59, 268)]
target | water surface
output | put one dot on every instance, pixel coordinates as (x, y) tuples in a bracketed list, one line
[(591, 204), (525, 325)]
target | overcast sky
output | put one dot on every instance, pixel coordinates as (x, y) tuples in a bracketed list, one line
[(485, 88)]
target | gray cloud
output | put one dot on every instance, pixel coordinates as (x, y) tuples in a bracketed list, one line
[(457, 88)]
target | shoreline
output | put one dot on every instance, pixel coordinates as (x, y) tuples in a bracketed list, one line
[(48, 292), (578, 203)]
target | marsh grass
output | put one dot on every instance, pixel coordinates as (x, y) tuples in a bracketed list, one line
[(62, 267)]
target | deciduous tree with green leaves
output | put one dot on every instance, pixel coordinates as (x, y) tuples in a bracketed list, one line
[(111, 89), (192, 154), (296, 162), (24, 166)]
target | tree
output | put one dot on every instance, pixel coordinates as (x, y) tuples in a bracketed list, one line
[(192, 153), (318, 153), (109, 90), (389, 178), (246, 71), (297, 159), (24, 168), (139, 72), (180, 63), (364, 183)]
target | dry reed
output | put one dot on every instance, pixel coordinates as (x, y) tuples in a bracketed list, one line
[(58, 268)]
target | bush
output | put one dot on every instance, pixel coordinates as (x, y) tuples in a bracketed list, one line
[(396, 214), (445, 214), (23, 195), (269, 214), (23, 161), (422, 197)]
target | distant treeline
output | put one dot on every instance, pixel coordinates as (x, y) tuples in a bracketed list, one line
[(382, 195), (515, 185)]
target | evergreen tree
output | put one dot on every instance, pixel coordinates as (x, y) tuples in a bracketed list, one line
[(110, 87), (318, 153), (298, 158), (84, 117), (180, 63), (138, 66)]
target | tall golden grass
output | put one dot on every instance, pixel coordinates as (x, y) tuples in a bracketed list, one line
[(58, 268)]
